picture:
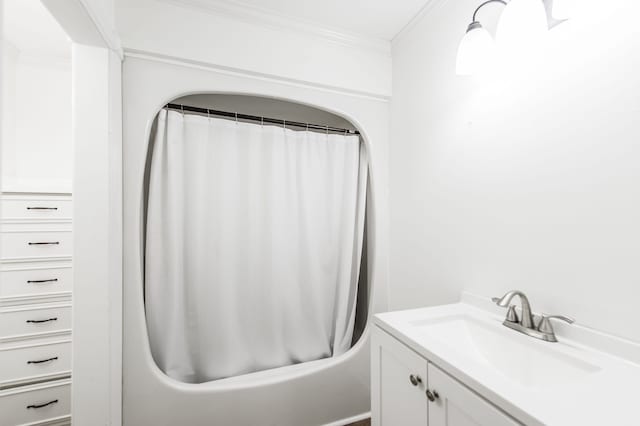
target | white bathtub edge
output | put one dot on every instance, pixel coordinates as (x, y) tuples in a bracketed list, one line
[(349, 420)]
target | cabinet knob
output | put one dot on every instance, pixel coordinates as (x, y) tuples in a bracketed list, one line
[(415, 380), (432, 395)]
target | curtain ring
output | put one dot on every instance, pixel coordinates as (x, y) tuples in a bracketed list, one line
[(208, 113), (284, 124), (236, 118), (327, 128), (261, 121)]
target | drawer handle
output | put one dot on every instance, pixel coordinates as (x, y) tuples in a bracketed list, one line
[(40, 321), (55, 401), (42, 208), (43, 360), (432, 395), (44, 243), (52, 280)]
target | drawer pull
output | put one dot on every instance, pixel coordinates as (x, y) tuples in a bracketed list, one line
[(44, 243), (43, 360), (52, 280), (42, 208), (55, 401), (41, 321)]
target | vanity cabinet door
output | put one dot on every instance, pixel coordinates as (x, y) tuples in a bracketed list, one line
[(398, 383), (455, 405)]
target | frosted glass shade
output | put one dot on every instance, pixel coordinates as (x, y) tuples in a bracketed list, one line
[(522, 25), (476, 51), (560, 9)]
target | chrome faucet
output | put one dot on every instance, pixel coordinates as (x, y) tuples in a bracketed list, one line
[(527, 318), (544, 329)]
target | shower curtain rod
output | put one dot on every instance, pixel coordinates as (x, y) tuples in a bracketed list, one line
[(258, 119)]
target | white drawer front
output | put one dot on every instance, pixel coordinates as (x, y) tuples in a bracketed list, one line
[(35, 281), (34, 361), (33, 405), (24, 321), (36, 209), (36, 244)]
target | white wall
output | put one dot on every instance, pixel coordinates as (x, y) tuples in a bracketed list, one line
[(529, 180), (9, 81), (37, 146), (184, 30)]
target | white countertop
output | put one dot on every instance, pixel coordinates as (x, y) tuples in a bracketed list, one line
[(608, 393)]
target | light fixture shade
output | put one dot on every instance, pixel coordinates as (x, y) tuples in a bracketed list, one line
[(522, 25), (560, 9), (476, 51)]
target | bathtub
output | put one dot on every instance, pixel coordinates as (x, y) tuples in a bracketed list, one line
[(333, 391)]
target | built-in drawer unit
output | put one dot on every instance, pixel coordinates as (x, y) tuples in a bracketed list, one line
[(31, 320), (29, 280), (36, 281), (34, 244), (26, 361), (36, 207), (48, 403)]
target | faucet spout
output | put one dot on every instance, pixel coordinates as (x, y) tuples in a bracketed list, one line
[(526, 317)]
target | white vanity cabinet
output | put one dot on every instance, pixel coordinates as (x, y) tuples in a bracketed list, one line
[(403, 384), (398, 383)]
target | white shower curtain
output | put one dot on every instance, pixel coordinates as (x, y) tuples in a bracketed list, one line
[(253, 245)]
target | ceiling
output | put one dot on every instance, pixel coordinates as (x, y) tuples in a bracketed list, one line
[(30, 28), (380, 19)]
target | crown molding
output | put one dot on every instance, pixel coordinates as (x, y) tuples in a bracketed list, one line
[(238, 72), (267, 18), (429, 7)]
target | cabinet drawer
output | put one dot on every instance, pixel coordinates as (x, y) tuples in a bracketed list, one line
[(38, 360), (40, 281), (29, 405), (26, 320), (45, 208), (26, 244)]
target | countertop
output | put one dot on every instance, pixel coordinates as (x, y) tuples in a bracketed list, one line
[(608, 395)]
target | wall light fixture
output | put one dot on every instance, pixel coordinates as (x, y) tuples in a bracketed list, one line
[(521, 25)]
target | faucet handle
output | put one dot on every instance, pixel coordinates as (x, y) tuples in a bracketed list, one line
[(544, 326), (512, 315)]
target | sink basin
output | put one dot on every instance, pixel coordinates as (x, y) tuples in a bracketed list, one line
[(520, 358)]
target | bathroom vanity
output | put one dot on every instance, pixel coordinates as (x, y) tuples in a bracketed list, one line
[(458, 365)]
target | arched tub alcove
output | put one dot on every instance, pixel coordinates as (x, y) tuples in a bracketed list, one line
[(281, 396)]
